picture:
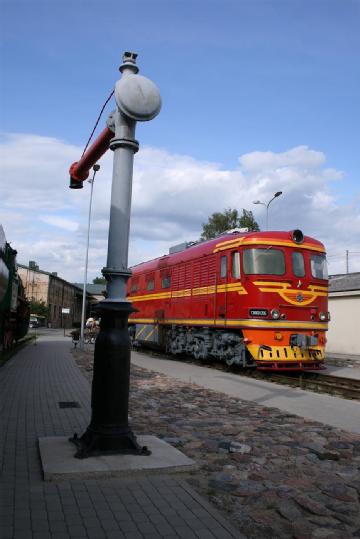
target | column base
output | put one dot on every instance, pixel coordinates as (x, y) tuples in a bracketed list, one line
[(94, 443)]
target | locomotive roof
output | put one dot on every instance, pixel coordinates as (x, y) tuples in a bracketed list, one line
[(223, 242)]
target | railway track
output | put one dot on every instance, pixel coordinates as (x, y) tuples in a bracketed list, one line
[(338, 386), (318, 382)]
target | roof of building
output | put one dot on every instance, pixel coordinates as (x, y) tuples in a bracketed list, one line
[(36, 269), (94, 289), (53, 275), (344, 282)]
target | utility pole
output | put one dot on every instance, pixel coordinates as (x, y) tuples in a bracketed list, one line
[(347, 261), (137, 99)]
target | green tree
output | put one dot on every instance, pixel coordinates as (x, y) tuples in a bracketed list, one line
[(247, 221), (219, 222), (39, 307), (99, 280)]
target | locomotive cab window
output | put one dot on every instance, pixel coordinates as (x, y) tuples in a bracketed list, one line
[(318, 267), (264, 261), (150, 285), (235, 265), (298, 264), (223, 267)]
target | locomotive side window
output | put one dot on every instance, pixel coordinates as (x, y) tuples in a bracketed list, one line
[(298, 264), (318, 266), (264, 261), (235, 265), (165, 281), (134, 287), (150, 281), (223, 267)]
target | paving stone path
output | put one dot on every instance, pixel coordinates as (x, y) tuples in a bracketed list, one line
[(32, 384), (273, 474)]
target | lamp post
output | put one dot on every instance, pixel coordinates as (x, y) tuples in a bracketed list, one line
[(137, 99), (277, 194), (91, 181)]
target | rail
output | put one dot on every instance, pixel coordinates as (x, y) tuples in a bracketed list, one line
[(318, 382), (339, 386)]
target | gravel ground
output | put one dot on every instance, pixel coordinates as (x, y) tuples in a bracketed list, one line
[(272, 474)]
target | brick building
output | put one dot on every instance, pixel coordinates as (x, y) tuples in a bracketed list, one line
[(56, 293)]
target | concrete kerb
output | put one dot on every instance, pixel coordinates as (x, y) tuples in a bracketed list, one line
[(58, 461)]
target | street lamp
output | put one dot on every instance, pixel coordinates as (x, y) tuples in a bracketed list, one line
[(91, 181), (277, 194)]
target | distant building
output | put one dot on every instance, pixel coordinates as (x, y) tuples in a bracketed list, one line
[(344, 307), (96, 293), (56, 293)]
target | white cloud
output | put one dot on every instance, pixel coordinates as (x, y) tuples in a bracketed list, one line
[(172, 196), (60, 222), (300, 156)]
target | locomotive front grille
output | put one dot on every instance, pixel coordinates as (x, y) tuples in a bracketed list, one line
[(289, 353)]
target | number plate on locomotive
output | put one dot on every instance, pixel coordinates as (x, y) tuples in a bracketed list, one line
[(259, 312)]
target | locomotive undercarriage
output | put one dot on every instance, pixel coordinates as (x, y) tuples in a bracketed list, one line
[(208, 343)]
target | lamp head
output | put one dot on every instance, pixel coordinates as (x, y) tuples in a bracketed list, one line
[(278, 193)]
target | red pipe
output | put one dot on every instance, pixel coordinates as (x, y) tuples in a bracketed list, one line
[(79, 171)]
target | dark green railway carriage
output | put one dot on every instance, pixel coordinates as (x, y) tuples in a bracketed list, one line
[(14, 308)]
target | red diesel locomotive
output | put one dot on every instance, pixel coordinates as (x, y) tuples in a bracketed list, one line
[(246, 298)]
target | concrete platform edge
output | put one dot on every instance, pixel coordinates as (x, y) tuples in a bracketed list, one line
[(59, 464)]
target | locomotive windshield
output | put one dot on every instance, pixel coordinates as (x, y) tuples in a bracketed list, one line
[(264, 261), (318, 266), (298, 264)]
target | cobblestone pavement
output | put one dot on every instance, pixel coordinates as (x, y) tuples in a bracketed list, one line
[(273, 474)]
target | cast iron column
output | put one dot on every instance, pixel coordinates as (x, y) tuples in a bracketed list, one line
[(137, 99)]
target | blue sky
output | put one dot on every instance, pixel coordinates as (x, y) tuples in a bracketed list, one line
[(236, 77)]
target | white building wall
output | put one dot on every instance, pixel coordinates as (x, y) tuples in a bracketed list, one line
[(343, 336)]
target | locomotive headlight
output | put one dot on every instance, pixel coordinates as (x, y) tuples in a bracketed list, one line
[(322, 317), (275, 314)]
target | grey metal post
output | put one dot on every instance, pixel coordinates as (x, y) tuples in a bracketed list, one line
[(124, 146), (137, 99)]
